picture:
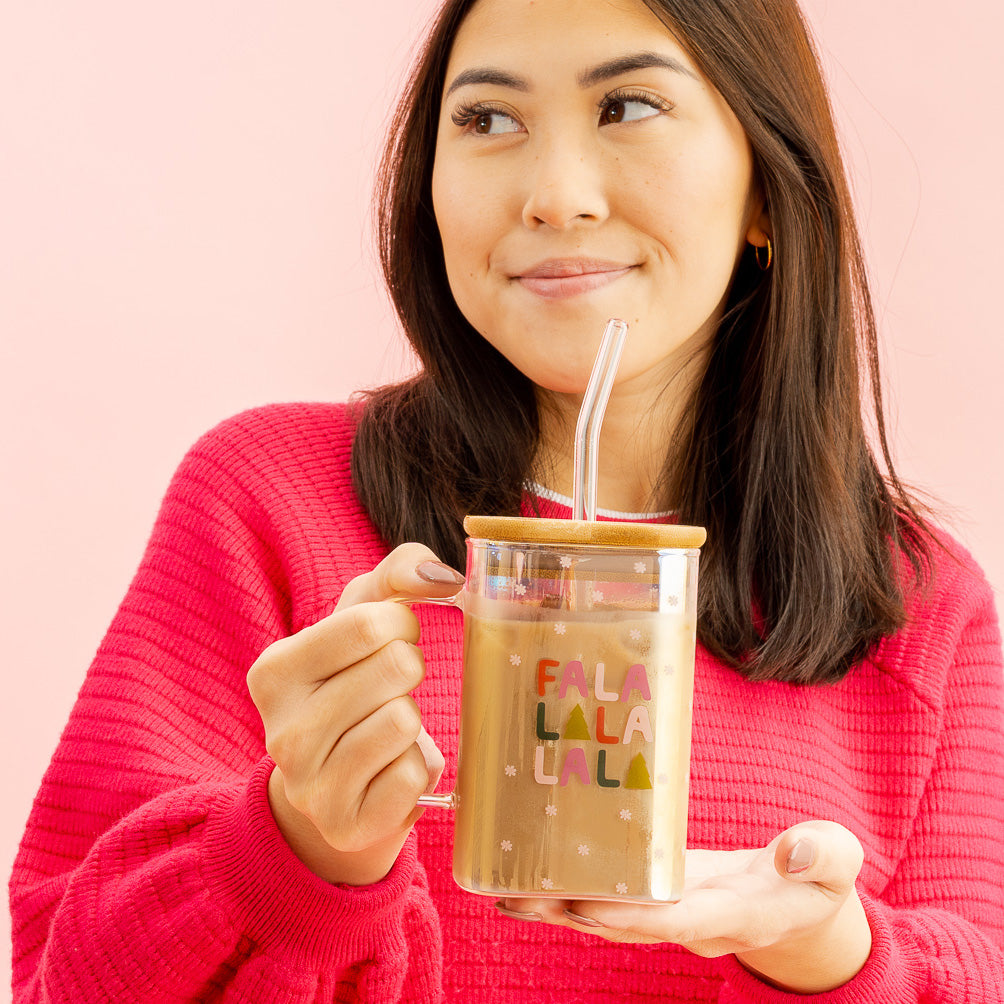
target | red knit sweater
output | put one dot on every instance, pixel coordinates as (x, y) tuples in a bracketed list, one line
[(151, 868)]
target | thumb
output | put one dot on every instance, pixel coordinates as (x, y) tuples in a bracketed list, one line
[(822, 852), (410, 571)]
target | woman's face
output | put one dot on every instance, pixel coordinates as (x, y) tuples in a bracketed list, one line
[(585, 169)]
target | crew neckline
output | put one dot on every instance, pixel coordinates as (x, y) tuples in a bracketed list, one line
[(564, 500)]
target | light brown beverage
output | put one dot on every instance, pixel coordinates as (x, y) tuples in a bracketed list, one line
[(574, 752)]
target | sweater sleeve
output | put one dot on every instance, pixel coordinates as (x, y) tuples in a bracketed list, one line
[(151, 868), (938, 926)]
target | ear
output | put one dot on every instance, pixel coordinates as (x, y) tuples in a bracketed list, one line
[(760, 228)]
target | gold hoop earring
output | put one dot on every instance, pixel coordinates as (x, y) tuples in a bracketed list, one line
[(763, 266)]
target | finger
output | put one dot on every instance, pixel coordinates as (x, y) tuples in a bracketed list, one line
[(390, 803), (576, 915), (435, 762), (629, 922), (300, 743), (822, 852), (315, 654), (535, 908), (367, 748), (355, 693), (409, 570), (340, 796), (349, 636), (704, 865)]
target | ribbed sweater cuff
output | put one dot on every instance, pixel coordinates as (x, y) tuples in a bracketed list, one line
[(893, 974), (280, 904)]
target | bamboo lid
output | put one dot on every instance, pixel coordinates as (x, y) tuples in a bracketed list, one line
[(515, 529)]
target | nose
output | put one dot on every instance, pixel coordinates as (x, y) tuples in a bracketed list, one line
[(566, 186)]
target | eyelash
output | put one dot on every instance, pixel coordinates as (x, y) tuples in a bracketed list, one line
[(626, 94), (466, 113)]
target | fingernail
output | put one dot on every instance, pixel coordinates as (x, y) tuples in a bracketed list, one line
[(801, 857), (514, 914), (587, 921), (438, 573)]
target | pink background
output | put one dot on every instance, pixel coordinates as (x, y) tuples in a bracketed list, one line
[(185, 233)]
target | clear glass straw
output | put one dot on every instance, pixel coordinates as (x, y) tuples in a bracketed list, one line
[(587, 428)]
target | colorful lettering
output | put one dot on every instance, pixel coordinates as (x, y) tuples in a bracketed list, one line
[(542, 732), (601, 771), (601, 735), (636, 680), (602, 694), (543, 676), (573, 676), (538, 769), (575, 763), (637, 721)]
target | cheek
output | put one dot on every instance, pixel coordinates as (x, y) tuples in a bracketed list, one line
[(458, 234), (455, 211)]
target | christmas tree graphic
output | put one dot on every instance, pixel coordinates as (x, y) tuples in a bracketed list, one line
[(576, 727), (637, 775)]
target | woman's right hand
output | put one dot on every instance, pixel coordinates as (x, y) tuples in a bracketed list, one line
[(351, 755)]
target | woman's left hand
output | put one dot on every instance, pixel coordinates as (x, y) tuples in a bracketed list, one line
[(788, 911)]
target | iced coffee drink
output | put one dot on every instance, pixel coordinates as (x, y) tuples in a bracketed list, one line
[(575, 750)]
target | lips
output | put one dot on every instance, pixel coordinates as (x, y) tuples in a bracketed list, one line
[(560, 278)]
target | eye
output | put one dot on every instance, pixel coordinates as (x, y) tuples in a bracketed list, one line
[(493, 123), (485, 120), (617, 108)]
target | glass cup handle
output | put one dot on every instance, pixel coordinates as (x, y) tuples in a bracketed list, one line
[(456, 600), (449, 800)]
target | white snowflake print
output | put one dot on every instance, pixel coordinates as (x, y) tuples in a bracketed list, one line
[(639, 567), (566, 561), (515, 660), (673, 600), (622, 888), (667, 670), (507, 845), (546, 884), (625, 814), (597, 596), (662, 779), (584, 850), (551, 810), (520, 589), (635, 635), (659, 854), (559, 629), (510, 770)]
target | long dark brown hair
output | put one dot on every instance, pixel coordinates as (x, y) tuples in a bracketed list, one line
[(807, 535)]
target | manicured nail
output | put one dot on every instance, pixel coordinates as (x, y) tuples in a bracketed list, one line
[(438, 574), (587, 921), (515, 914), (801, 857)]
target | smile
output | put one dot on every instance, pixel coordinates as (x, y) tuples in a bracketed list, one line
[(562, 278)]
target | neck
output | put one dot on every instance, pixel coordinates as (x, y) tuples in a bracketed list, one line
[(642, 417)]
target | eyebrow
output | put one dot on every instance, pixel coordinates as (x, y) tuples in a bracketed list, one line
[(488, 75), (587, 78), (625, 64)]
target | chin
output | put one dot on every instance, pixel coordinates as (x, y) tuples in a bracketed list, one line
[(563, 383)]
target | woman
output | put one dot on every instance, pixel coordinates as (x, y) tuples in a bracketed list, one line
[(554, 163)]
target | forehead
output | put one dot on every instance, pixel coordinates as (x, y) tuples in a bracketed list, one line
[(564, 31)]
